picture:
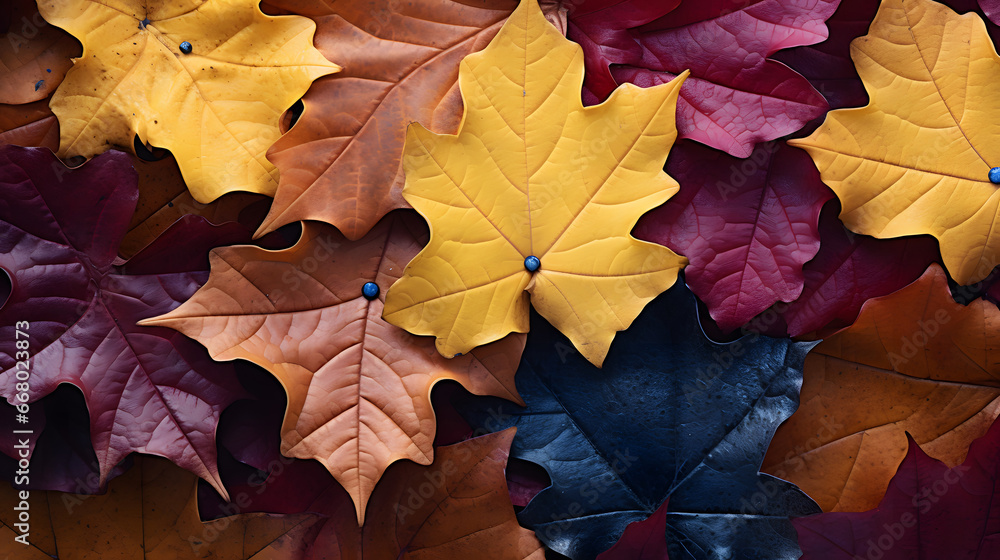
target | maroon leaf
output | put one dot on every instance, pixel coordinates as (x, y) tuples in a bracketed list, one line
[(150, 390), (848, 270), (992, 9), (184, 246), (736, 96), (747, 226), (928, 511), (642, 540), (601, 28), (64, 459), (828, 65)]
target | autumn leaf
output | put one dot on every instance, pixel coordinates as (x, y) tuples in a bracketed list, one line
[(59, 229), (400, 66), (848, 270), (209, 106), (456, 507), (914, 361), (736, 95), (34, 56), (31, 124), (827, 64), (642, 540), (150, 512), (164, 199), (601, 28), (928, 511), (536, 195), (672, 415), (991, 8), (916, 158), (358, 388), (747, 226)]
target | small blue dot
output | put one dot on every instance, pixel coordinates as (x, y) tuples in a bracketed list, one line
[(995, 175), (370, 290), (532, 263), (186, 47)]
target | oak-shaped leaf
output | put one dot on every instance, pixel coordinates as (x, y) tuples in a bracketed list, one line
[(671, 415), (914, 362), (340, 163), (207, 80), (534, 199), (928, 511), (747, 226), (917, 158), (147, 389), (34, 56), (736, 95), (358, 388), (149, 512)]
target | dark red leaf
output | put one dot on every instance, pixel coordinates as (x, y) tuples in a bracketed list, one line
[(929, 511), (642, 540), (848, 270), (601, 28), (992, 9), (828, 65), (150, 390), (736, 95), (747, 226)]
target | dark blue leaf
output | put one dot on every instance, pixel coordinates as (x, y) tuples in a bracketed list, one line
[(671, 414)]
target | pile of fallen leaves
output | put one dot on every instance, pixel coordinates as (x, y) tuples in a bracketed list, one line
[(438, 279)]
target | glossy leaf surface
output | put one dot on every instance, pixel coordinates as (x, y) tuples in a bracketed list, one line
[(671, 414)]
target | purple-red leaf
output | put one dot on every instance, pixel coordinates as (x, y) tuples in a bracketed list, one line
[(601, 27), (992, 9), (147, 389), (848, 270), (736, 95), (929, 511), (828, 65), (747, 226)]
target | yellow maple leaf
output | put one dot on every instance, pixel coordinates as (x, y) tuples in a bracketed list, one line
[(206, 79), (917, 158), (532, 173)]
